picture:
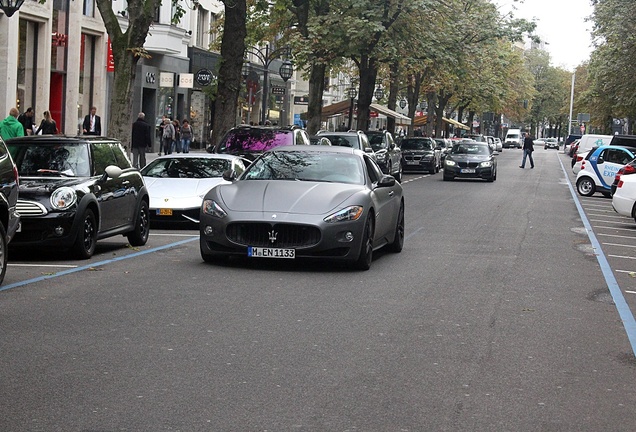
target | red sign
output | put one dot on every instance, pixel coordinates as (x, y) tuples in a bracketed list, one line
[(110, 63), (373, 114)]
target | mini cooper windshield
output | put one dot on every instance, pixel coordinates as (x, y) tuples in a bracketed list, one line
[(70, 160), (306, 166)]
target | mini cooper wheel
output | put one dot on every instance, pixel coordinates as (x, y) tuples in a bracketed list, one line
[(86, 240), (366, 248), (139, 236), (585, 186)]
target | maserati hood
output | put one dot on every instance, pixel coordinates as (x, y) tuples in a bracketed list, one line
[(283, 196)]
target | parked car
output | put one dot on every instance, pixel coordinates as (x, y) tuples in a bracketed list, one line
[(445, 145), (598, 170), (319, 202), (177, 182), (626, 170), (387, 153), (354, 139), (498, 144), (624, 199), (471, 160), (251, 141), (9, 216), (77, 190), (421, 153)]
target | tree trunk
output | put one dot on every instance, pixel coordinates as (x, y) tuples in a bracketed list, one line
[(316, 89), (368, 72), (230, 78)]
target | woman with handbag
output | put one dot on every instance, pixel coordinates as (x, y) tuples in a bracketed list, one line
[(47, 125)]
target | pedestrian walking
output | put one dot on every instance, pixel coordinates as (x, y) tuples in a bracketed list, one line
[(176, 140), (26, 119), (47, 125), (168, 136), (528, 148), (141, 140), (92, 124), (10, 127), (186, 136)]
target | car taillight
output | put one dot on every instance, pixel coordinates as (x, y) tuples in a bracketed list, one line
[(620, 184), (15, 174), (582, 165), (628, 169), (579, 158)]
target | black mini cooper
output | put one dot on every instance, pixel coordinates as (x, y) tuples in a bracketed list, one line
[(76, 190)]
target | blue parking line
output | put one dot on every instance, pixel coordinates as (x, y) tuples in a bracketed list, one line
[(96, 264), (629, 323)]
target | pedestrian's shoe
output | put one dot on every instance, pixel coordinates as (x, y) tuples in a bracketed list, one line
[(531, 167), (520, 166)]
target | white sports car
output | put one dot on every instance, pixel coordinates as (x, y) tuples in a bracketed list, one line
[(177, 183)]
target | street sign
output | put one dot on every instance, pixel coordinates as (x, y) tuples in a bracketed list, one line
[(203, 77), (301, 100), (278, 90), (583, 118)]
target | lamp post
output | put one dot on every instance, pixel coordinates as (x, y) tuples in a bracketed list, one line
[(379, 92), (402, 103), (352, 93), (9, 7), (285, 71)]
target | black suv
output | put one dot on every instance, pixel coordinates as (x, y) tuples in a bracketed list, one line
[(251, 141), (387, 153), (9, 217), (76, 190)]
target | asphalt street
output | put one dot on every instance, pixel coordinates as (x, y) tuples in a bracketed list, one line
[(500, 314)]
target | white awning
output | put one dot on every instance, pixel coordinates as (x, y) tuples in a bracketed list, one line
[(399, 118)]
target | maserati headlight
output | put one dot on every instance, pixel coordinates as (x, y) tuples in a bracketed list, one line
[(210, 207), (450, 162), (63, 198), (348, 214), (485, 164)]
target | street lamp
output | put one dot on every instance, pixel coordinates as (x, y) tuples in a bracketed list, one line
[(423, 105), (352, 93), (285, 71), (402, 103), (9, 7)]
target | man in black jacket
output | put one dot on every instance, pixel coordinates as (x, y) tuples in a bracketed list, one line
[(141, 140), (92, 124), (528, 148)]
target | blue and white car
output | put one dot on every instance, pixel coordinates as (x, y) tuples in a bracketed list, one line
[(598, 170)]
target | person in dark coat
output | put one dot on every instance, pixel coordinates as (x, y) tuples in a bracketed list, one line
[(141, 140), (26, 118), (92, 124), (528, 148), (47, 125)]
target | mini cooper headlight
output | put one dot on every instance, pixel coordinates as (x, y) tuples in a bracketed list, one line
[(347, 214), (210, 207), (63, 198), (485, 164), (450, 162)]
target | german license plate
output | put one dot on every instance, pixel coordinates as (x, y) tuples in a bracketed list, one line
[(412, 162), (260, 252), (467, 171), (164, 212)]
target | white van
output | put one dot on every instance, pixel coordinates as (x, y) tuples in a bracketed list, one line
[(588, 141), (513, 139)]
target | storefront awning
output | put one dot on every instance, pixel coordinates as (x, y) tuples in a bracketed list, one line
[(343, 107), (421, 121), (400, 119)]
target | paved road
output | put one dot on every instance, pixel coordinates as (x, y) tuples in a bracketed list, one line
[(495, 317)]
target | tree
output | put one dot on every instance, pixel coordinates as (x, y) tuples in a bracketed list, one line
[(127, 48)]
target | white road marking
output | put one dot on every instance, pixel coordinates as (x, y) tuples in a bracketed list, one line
[(42, 265)]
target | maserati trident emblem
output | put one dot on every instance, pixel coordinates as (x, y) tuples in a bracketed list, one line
[(272, 236)]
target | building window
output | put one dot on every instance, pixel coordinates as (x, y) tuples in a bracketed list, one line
[(89, 8)]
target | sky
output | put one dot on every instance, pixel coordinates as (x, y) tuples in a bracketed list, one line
[(561, 24)]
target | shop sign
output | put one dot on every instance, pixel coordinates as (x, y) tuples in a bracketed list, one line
[(186, 80), (166, 79), (203, 77)]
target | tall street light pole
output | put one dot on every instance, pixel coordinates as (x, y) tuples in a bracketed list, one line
[(352, 93), (285, 71), (571, 103)]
